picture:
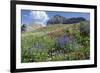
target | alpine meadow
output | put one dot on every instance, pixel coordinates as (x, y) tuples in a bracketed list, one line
[(54, 36)]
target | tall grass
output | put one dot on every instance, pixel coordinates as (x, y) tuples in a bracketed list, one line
[(55, 43)]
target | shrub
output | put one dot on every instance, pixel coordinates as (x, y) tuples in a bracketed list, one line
[(85, 28)]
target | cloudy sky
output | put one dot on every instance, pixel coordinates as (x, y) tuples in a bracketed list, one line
[(41, 17)]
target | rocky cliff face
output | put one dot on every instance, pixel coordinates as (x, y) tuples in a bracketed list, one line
[(57, 19)]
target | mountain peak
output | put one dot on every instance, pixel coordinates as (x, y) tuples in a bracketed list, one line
[(58, 19)]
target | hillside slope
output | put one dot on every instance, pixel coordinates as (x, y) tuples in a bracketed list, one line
[(56, 42)]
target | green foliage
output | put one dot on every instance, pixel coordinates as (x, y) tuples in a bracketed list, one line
[(85, 28), (44, 48)]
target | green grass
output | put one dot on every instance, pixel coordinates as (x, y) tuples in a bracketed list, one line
[(45, 44)]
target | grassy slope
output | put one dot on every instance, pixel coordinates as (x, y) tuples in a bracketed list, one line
[(42, 36)]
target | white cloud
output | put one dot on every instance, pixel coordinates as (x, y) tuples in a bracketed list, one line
[(39, 17)]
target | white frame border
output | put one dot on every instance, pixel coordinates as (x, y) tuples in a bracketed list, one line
[(20, 65)]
